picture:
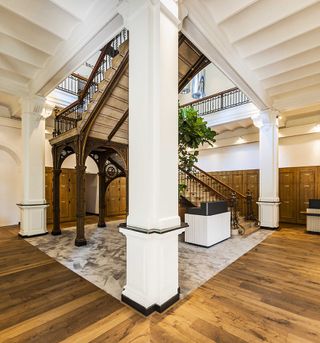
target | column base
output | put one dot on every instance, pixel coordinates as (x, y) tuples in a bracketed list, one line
[(33, 219), (80, 242), (102, 225), (152, 268), (56, 232), (147, 311), (269, 214)]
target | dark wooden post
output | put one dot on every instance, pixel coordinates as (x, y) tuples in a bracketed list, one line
[(56, 201), (81, 204), (249, 213), (234, 212), (102, 198)]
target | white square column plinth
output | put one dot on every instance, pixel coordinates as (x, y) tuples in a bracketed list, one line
[(33, 220), (152, 258), (33, 205), (152, 270), (267, 122)]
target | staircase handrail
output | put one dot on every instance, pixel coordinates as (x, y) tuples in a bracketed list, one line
[(76, 108), (203, 183), (220, 182)]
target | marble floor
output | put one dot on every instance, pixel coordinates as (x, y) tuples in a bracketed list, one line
[(103, 260)]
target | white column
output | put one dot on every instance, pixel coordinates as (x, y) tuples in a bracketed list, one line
[(153, 224), (268, 203), (33, 205)]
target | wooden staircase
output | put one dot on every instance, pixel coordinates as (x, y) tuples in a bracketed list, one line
[(103, 104), (199, 186)]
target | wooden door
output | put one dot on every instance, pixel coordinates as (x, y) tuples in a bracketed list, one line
[(112, 198), (252, 184), (64, 195), (307, 181), (116, 197), (48, 193), (288, 195)]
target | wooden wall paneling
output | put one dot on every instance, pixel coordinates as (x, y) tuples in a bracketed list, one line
[(123, 195), (48, 193), (64, 195), (112, 198), (288, 195), (307, 181), (251, 182)]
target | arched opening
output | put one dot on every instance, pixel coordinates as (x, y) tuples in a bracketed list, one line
[(10, 186)]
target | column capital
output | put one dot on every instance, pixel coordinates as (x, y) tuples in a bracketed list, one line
[(265, 117), (32, 104), (129, 9)]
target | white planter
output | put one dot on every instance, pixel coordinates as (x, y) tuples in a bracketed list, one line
[(207, 230)]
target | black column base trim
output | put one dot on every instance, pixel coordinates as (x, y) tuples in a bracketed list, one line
[(149, 231), (270, 228), (56, 233), (102, 225), (80, 242), (37, 235), (147, 311)]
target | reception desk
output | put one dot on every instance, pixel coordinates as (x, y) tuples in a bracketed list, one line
[(313, 216), (208, 224)]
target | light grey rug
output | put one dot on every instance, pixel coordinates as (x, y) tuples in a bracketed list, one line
[(103, 260)]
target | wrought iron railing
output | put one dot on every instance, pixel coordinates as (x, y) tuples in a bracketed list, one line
[(73, 84), (68, 118), (220, 101)]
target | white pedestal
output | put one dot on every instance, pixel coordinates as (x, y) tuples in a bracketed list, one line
[(33, 220), (207, 230), (152, 270), (269, 214), (313, 222)]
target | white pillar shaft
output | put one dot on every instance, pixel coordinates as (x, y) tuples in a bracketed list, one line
[(152, 249), (269, 170), (33, 205), (153, 115), (33, 162)]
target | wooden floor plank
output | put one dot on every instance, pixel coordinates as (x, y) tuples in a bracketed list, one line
[(270, 294)]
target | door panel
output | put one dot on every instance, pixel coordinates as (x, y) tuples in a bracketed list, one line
[(306, 190), (288, 195)]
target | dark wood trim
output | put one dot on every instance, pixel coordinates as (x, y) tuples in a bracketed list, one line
[(201, 63), (146, 311), (220, 182), (210, 189), (152, 230), (118, 125)]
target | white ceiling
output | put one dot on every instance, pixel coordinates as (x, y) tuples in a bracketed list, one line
[(42, 41), (269, 48)]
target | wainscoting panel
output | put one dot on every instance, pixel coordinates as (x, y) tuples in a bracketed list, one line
[(296, 186)]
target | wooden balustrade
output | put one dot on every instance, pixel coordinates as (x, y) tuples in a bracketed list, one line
[(68, 118)]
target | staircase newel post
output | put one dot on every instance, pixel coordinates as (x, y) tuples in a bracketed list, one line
[(249, 209), (234, 212)]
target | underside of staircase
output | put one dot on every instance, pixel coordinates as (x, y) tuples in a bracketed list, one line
[(97, 124)]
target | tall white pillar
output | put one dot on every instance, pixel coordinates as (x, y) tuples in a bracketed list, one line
[(33, 205), (269, 202), (153, 224)]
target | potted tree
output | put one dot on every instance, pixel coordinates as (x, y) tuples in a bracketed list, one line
[(193, 132)]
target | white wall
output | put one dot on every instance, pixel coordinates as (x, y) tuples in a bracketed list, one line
[(10, 175), (294, 151), (92, 193)]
